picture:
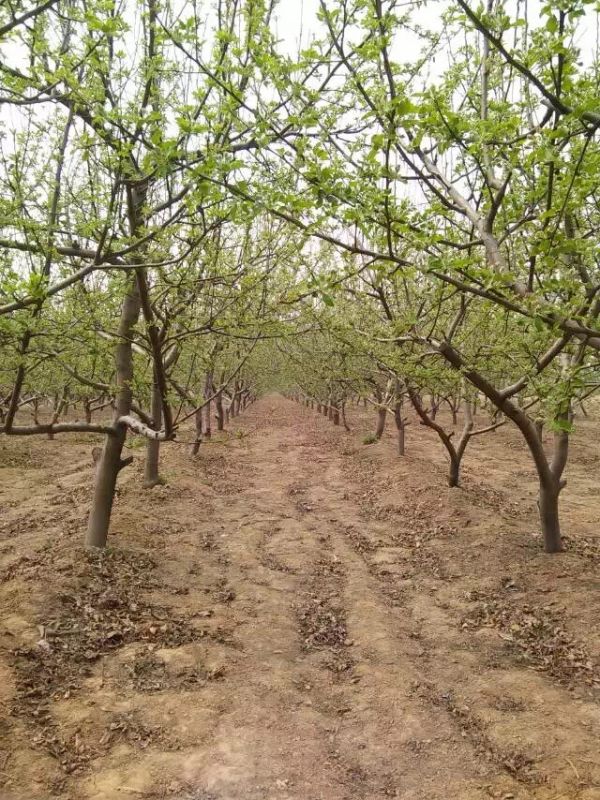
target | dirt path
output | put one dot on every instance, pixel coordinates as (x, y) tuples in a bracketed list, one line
[(287, 642), (326, 702)]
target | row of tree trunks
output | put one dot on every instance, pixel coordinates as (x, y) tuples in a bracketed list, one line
[(239, 400), (333, 409)]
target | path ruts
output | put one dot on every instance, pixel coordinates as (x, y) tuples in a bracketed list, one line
[(333, 696)]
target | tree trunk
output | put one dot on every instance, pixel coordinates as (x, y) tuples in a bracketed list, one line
[(401, 426), (61, 403), (549, 516), (549, 475), (454, 470), (220, 412), (235, 402), (208, 391), (151, 476), (336, 416), (198, 440), (381, 417), (107, 472), (455, 454), (344, 420), (552, 484), (109, 463)]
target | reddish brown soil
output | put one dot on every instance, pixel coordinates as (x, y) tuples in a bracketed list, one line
[(299, 616)]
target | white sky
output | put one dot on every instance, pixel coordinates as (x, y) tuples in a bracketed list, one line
[(295, 22)]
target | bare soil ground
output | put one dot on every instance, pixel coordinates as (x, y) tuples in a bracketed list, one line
[(299, 616)]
